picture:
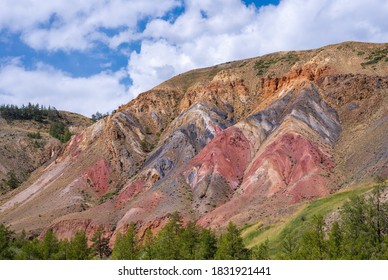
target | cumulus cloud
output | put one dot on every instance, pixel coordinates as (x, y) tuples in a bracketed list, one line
[(48, 86), (156, 62), (216, 31), (203, 33), (75, 25)]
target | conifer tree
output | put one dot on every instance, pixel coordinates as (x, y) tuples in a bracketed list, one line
[(126, 246), (6, 252), (261, 252), (357, 239), (31, 250), (20, 239), (207, 246), (188, 241), (314, 245), (100, 244), (289, 247), (335, 241), (147, 250), (365, 226), (49, 246), (167, 242), (78, 247), (231, 245)]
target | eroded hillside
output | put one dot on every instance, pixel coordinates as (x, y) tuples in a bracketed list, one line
[(245, 141), (26, 144)]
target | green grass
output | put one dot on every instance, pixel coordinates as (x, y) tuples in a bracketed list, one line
[(190, 78), (256, 233), (263, 64), (376, 56)]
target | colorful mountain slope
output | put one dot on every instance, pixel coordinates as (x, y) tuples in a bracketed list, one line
[(246, 141)]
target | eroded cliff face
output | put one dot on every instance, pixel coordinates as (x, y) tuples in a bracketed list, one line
[(245, 141)]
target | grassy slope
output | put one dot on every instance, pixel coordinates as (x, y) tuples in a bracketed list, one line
[(256, 234)]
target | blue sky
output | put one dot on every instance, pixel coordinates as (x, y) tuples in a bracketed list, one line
[(94, 55)]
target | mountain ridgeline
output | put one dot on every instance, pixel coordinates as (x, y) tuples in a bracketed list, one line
[(248, 142)]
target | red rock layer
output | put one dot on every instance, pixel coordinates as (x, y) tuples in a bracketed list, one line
[(290, 169), (97, 177), (129, 193), (297, 163), (227, 154)]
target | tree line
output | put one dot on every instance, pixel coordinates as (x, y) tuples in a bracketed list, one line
[(361, 232), (30, 111), (173, 242), (98, 116), (39, 113)]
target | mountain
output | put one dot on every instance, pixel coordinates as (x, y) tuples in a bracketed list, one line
[(246, 141)]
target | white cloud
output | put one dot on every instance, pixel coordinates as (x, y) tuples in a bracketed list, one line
[(211, 32), (157, 62), (46, 85), (206, 33), (72, 24)]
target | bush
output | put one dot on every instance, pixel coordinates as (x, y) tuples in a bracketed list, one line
[(12, 181), (34, 135), (60, 131)]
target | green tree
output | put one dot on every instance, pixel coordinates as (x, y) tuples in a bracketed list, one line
[(314, 245), (167, 242), (207, 245), (148, 248), (64, 250), (126, 246), (98, 116), (378, 218), (20, 239), (189, 241), (357, 239), (261, 252), (365, 226), (6, 252), (66, 136), (289, 247), (31, 250), (335, 241), (231, 245), (12, 181), (50, 246), (100, 244), (78, 247), (60, 131)]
